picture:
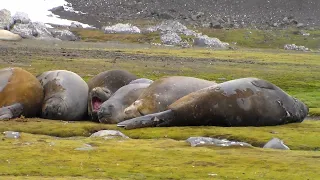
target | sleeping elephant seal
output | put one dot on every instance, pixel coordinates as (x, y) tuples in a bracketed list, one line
[(103, 85), (9, 36), (66, 95), (240, 102), (20, 93), (142, 80), (112, 110), (163, 92)]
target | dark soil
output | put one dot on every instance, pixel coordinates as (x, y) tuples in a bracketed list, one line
[(228, 13)]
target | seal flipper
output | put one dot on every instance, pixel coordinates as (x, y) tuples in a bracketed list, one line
[(150, 120), (12, 111)]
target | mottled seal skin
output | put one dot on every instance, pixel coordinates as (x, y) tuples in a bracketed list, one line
[(112, 110), (66, 95), (142, 80), (20, 93), (240, 102), (9, 36), (103, 85), (163, 92)]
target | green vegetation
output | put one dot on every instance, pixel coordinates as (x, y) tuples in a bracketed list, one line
[(248, 38)]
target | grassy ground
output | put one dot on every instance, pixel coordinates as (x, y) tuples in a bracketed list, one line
[(162, 153)]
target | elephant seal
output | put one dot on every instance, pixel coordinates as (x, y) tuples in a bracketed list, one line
[(6, 35), (112, 110), (240, 102), (20, 93), (103, 85), (66, 95), (142, 80), (163, 92)]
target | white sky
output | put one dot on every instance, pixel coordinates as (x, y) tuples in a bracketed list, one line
[(37, 10)]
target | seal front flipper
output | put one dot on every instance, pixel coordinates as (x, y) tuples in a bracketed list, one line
[(151, 120), (12, 111)]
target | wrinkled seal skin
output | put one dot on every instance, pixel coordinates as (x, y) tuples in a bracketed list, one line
[(112, 110), (240, 102), (66, 95), (103, 85), (20, 93), (163, 92)]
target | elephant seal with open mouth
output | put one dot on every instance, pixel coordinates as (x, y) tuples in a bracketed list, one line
[(240, 102)]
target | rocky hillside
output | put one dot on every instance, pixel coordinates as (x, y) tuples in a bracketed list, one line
[(208, 13)]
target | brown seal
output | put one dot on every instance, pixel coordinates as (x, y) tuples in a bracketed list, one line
[(20, 93), (103, 85), (240, 102), (163, 92)]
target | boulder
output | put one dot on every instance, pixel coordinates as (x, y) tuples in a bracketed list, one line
[(276, 143), (64, 35), (172, 26), (11, 134), (295, 47), (121, 29), (6, 35), (170, 38), (76, 25), (109, 134), (205, 41), (21, 17), (207, 141), (32, 30), (5, 19)]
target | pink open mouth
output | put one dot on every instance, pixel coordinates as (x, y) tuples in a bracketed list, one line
[(96, 104)]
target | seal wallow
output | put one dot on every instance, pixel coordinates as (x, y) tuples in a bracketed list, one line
[(163, 92), (20, 93), (103, 85), (66, 95), (9, 36), (112, 110), (240, 102)]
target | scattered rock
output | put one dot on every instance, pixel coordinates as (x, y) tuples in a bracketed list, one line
[(295, 47), (300, 25), (21, 17), (216, 25), (75, 25), (207, 141), (5, 19), (64, 35), (121, 29), (59, 8), (205, 41), (276, 143), (11, 134), (172, 26), (87, 147), (109, 134), (170, 38)]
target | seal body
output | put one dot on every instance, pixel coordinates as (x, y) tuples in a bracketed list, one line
[(66, 95), (103, 85), (240, 102), (142, 80), (112, 110), (163, 92), (9, 36), (20, 93)]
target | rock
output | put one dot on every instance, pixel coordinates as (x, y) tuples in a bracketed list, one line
[(121, 29), (170, 38), (5, 19), (87, 147), (75, 25), (172, 26), (59, 8), (205, 41), (21, 17), (109, 134), (300, 25), (295, 47), (165, 16), (32, 30), (207, 141), (276, 143), (64, 35), (6, 35), (11, 134), (216, 25)]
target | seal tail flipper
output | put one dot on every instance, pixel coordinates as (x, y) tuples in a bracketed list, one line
[(150, 120), (12, 111)]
